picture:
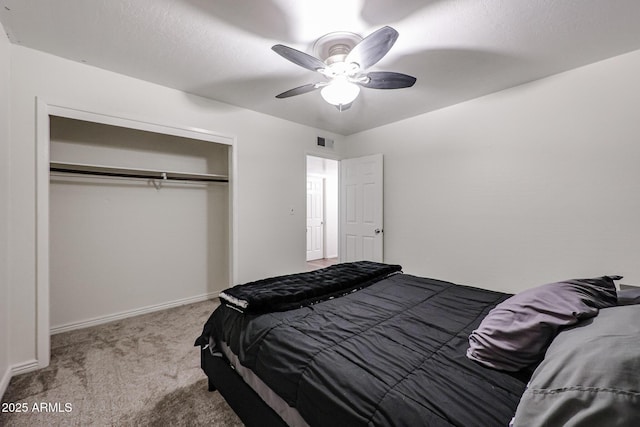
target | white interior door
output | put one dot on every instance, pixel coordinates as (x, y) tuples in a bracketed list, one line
[(315, 218), (361, 191)]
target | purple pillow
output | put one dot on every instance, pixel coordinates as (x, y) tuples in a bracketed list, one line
[(517, 332)]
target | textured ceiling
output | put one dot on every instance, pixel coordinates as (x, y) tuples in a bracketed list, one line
[(221, 49)]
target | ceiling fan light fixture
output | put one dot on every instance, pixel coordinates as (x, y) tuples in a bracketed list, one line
[(340, 91)]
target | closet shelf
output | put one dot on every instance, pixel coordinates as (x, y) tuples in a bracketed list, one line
[(100, 170)]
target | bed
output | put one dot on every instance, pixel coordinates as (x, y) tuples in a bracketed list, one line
[(365, 344)]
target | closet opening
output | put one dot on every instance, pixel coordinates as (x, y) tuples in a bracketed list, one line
[(133, 217)]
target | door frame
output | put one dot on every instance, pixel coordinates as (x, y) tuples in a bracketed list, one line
[(45, 109), (323, 214), (327, 156)]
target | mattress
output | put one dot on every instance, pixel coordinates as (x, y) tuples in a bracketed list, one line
[(389, 354)]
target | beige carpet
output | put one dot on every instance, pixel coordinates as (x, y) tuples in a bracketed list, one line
[(134, 372)]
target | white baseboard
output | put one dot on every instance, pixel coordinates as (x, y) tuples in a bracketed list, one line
[(130, 313), (24, 367), (4, 381)]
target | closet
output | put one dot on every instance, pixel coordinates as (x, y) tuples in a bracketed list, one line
[(138, 221)]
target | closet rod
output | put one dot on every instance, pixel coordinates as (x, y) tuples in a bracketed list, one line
[(99, 170)]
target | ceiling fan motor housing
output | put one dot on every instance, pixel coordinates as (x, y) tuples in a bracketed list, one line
[(334, 47)]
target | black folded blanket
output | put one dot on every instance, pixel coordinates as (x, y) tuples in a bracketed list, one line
[(302, 289)]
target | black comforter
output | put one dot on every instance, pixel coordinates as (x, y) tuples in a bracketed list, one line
[(391, 354)]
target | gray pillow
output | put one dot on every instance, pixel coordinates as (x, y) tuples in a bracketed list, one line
[(589, 375), (629, 296), (517, 332)]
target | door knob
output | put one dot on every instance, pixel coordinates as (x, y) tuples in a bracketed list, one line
[(377, 231)]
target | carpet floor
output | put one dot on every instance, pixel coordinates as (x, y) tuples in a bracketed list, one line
[(138, 371)]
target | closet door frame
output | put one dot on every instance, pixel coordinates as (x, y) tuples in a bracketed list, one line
[(44, 110)]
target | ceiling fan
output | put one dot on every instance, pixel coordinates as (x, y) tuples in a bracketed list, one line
[(346, 57)]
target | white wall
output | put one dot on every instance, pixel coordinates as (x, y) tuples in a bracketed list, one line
[(120, 247), (526, 186), (5, 371), (265, 190)]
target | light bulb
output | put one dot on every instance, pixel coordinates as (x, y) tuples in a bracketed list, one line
[(340, 91)]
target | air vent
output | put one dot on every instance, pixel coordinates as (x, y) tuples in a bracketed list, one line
[(325, 142)]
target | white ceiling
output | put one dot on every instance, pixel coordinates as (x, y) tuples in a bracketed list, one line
[(221, 49)]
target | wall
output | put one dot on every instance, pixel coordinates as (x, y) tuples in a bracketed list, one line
[(264, 191), (125, 243), (5, 372), (526, 186)]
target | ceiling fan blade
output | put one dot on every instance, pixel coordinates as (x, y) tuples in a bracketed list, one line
[(299, 58), (388, 80), (372, 48), (299, 90)]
